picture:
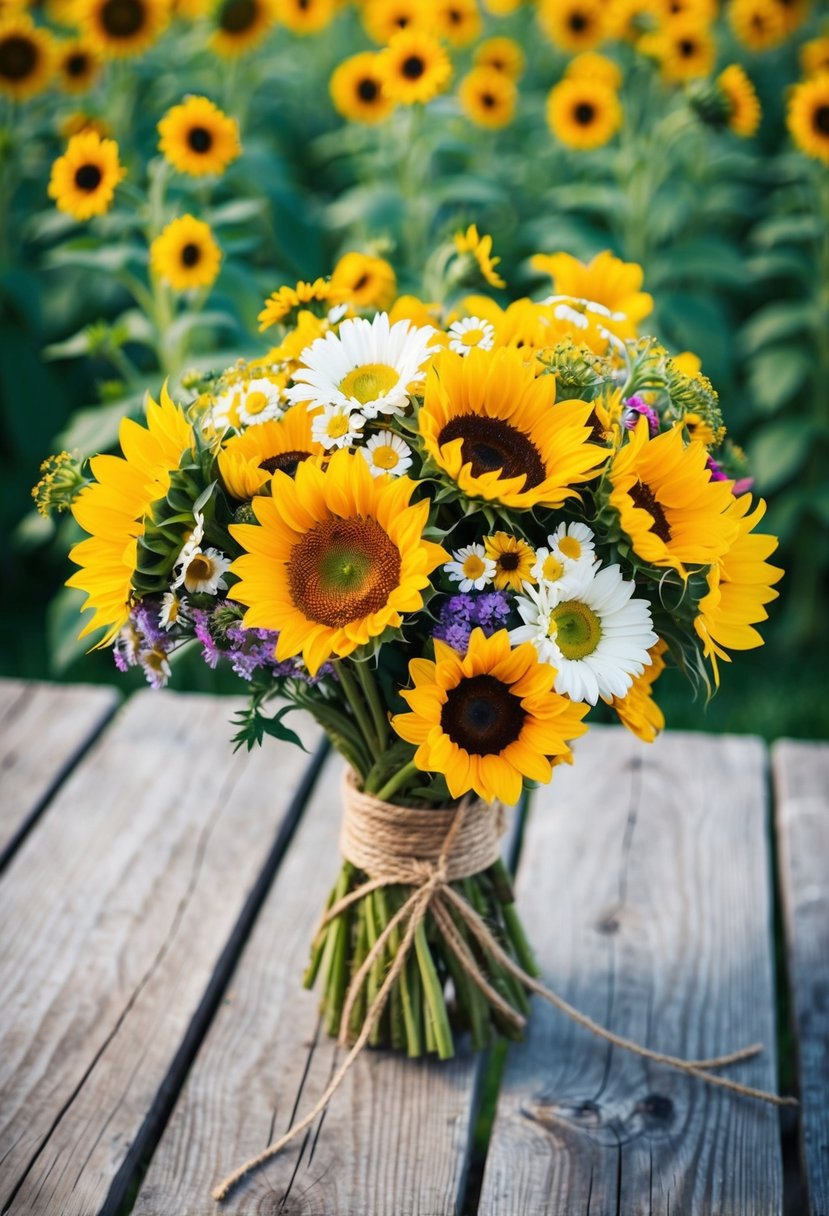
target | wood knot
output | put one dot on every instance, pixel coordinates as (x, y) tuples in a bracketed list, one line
[(609, 922), (656, 1108)]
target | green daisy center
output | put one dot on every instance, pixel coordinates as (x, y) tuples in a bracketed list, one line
[(370, 381), (576, 629)]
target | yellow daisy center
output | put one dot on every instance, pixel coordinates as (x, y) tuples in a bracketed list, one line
[(482, 716), (370, 381), (570, 547), (337, 426), (385, 457), (472, 337), (576, 629), (473, 566), (551, 568), (491, 445), (256, 402), (343, 570)]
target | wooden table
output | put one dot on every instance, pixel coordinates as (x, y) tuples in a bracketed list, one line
[(157, 898)]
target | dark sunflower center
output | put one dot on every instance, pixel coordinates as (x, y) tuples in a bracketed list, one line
[(88, 178), (123, 18), (822, 119), (190, 254), (491, 445), (18, 57), (361, 282), (286, 462), (686, 47), (577, 22), (454, 16), (401, 21), (343, 570), (482, 716), (584, 113), (237, 16), (413, 67), (200, 139), (367, 89), (77, 64), (508, 561), (644, 498), (487, 101)]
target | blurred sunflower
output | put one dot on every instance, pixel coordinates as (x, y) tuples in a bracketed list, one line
[(415, 67), (240, 25), (480, 250), (77, 66), (364, 281), (120, 28), (628, 19), (593, 66), (572, 25), (83, 180), (758, 24), (185, 254), (807, 117), (814, 56), (502, 54), (605, 280), (248, 461), (27, 55), (583, 113), (458, 21), (304, 17), (794, 13), (283, 304), (384, 18), (701, 11), (684, 48), (744, 111), (356, 89), (488, 98), (197, 138)]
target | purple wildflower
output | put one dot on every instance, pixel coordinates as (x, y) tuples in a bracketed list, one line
[(462, 613), (636, 408)]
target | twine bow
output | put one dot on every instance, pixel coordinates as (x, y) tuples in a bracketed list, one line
[(460, 853)]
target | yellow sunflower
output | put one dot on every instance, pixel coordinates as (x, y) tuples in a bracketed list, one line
[(119, 28), (697, 10), (338, 556), (304, 17), (739, 586), (758, 24), (572, 25), (283, 305), (488, 98), (637, 709), (807, 117), (606, 280), (480, 249), (77, 66), (415, 67), (668, 506), (814, 56), (83, 180), (593, 66), (384, 18), (197, 138), (356, 89), (685, 49), (248, 461), (185, 254), (27, 57), (240, 25), (514, 560), (364, 281), (794, 13), (502, 54), (494, 429), (113, 508), (458, 21), (77, 122), (583, 113), (628, 19), (488, 719), (744, 112)]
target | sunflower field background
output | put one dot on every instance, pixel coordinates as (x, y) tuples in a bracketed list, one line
[(167, 165)]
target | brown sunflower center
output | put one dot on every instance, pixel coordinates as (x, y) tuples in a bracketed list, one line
[(482, 716), (361, 282), (286, 462), (644, 498), (122, 18), (343, 570), (88, 178), (76, 64), (584, 113), (686, 47), (455, 17), (200, 139), (822, 119), (237, 16), (487, 101), (413, 67), (491, 445), (577, 22), (367, 89), (190, 254), (18, 57)]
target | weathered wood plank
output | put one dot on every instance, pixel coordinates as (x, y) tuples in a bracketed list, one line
[(644, 882), (394, 1137), (113, 914), (801, 778), (44, 729)]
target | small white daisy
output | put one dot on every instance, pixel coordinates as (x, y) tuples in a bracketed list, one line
[(471, 568), (259, 401), (471, 333), (173, 610), (591, 629), (387, 453), (336, 426), (367, 366), (222, 413), (191, 546), (203, 571), (156, 666), (571, 549)]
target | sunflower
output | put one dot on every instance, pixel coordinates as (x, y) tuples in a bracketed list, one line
[(113, 508), (743, 106), (304, 17), (78, 122), (83, 180), (77, 66), (606, 280), (185, 254), (337, 557), (502, 54), (493, 429), (794, 13), (593, 66), (668, 505), (119, 28), (415, 67), (356, 89), (699, 10), (513, 560), (572, 25), (488, 98), (685, 49), (384, 18), (26, 57), (814, 56), (480, 249), (758, 24), (283, 304), (739, 586), (583, 113), (628, 19), (487, 719), (197, 138), (248, 461), (807, 117), (240, 25), (637, 709), (458, 21), (364, 281)]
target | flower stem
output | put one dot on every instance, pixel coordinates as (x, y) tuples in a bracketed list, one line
[(358, 707), (438, 1021), (372, 695), (397, 781)]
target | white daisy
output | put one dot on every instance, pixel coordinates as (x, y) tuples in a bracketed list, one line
[(471, 333), (259, 400), (591, 629), (471, 568), (571, 550), (190, 547), (203, 571), (156, 666), (222, 413), (173, 611), (367, 366), (387, 453), (336, 426)]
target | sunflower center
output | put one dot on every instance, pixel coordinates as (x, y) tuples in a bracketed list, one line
[(576, 629), (88, 178), (584, 113), (577, 22), (200, 139), (508, 561), (122, 18), (644, 498), (822, 119), (77, 64), (367, 89), (18, 57), (686, 47), (286, 462), (413, 67), (190, 254), (492, 445), (343, 570), (482, 716), (237, 16), (369, 381), (487, 101)]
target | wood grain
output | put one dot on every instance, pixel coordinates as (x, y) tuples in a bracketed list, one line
[(801, 778), (394, 1138), (113, 914), (44, 729), (644, 882)]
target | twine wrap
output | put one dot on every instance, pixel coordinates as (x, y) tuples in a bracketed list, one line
[(428, 850)]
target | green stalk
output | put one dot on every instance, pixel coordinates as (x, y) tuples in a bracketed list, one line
[(375, 976), (397, 781), (414, 986), (437, 1019), (393, 899), (358, 1010), (375, 704), (358, 707)]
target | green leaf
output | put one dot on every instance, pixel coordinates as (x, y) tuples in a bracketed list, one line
[(776, 375), (776, 321), (781, 228), (109, 257), (779, 450), (705, 260), (95, 428), (64, 622), (238, 211)]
